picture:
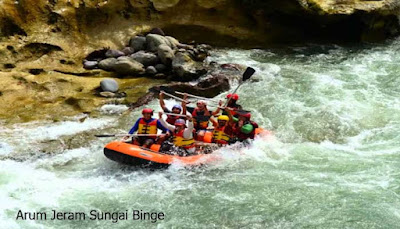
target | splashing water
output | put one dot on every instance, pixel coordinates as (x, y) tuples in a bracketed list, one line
[(334, 161)]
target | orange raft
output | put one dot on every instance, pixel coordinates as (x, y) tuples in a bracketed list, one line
[(128, 153)]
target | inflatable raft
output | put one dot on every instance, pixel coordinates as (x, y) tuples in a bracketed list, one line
[(127, 153)]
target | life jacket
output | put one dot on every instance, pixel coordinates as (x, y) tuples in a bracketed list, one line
[(220, 136), (242, 136), (180, 141), (171, 119), (147, 128), (201, 120)]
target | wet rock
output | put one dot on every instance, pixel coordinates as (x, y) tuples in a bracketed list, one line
[(138, 43), (87, 64), (128, 51), (158, 31), (109, 85), (145, 58), (161, 68), (162, 5), (166, 54), (160, 76), (151, 70), (185, 68), (114, 53), (107, 94), (154, 40), (128, 67), (173, 41), (107, 64)]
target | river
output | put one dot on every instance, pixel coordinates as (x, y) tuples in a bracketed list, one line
[(334, 161)]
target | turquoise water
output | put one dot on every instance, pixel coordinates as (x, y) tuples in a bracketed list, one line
[(334, 161)]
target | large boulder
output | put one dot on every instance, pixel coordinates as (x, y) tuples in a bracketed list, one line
[(128, 66), (185, 68), (161, 68), (107, 64), (145, 58), (166, 54), (138, 43), (155, 40), (109, 85)]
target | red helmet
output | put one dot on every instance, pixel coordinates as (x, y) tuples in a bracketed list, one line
[(234, 96), (148, 111), (180, 122), (246, 115)]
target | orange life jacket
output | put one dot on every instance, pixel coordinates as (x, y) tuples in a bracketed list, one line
[(147, 128)]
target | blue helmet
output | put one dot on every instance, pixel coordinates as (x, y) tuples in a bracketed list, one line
[(180, 122), (177, 107)]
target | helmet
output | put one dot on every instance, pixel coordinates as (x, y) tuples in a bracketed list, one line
[(202, 102), (180, 122), (246, 115), (234, 96), (147, 110), (223, 118), (177, 107)]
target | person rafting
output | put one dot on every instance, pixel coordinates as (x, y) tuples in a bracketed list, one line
[(176, 109), (201, 117), (232, 103), (182, 135), (146, 125), (242, 128), (222, 130)]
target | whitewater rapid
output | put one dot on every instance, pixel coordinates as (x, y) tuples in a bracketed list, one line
[(334, 161)]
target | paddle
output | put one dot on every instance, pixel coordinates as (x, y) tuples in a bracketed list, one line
[(172, 114), (170, 90), (154, 90), (123, 135), (246, 75)]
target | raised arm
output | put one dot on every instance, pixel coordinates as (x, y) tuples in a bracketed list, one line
[(162, 103), (216, 112), (164, 123), (184, 104)]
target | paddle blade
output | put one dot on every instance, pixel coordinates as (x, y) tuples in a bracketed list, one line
[(167, 89), (248, 73)]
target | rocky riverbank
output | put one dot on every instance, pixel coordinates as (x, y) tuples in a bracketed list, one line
[(43, 43)]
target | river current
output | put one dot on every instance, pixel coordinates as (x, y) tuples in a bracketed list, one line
[(334, 161)]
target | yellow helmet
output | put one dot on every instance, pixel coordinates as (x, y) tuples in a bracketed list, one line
[(223, 118)]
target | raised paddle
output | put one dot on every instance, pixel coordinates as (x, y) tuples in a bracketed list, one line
[(246, 75), (172, 96), (123, 135), (172, 114), (170, 90)]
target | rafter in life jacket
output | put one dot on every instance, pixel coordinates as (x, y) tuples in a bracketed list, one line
[(201, 118), (220, 135), (180, 141), (147, 128)]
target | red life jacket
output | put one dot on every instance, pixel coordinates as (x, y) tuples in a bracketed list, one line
[(171, 119), (242, 136), (201, 121)]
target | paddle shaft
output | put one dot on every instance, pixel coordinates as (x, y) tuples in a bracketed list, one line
[(172, 114), (197, 97), (123, 135)]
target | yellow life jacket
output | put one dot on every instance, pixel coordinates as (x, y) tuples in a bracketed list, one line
[(219, 135), (147, 128), (180, 141)]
